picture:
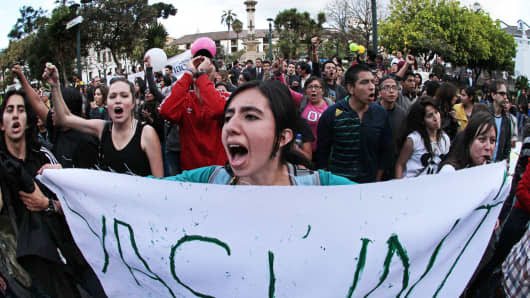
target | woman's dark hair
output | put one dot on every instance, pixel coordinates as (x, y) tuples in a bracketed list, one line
[(104, 91), (444, 97), (459, 155), (417, 75), (431, 87), (246, 76), (72, 99), (31, 117), (315, 78), (167, 80), (415, 121), (141, 86), (285, 116), (470, 91)]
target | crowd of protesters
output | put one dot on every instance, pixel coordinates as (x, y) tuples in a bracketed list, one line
[(282, 122)]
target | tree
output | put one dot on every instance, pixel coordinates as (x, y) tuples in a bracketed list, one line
[(156, 36), (237, 25), (295, 29), (118, 24), (352, 19), (36, 39), (521, 83), (443, 27), (29, 22), (228, 18)]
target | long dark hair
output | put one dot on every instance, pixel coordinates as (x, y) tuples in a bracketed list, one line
[(31, 118), (285, 116), (444, 98), (415, 121), (459, 155), (470, 91)]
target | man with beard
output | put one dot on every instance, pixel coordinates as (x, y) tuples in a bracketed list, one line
[(292, 79), (43, 238), (388, 91), (499, 95), (332, 90), (354, 135)]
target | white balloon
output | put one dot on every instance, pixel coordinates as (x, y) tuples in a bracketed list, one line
[(158, 58)]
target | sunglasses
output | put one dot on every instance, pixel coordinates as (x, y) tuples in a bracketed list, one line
[(502, 93)]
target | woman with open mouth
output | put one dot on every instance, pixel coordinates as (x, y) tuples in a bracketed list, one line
[(127, 146), (260, 125), (473, 146), (423, 144)]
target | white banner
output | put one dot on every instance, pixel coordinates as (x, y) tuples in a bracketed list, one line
[(419, 237), (179, 63)]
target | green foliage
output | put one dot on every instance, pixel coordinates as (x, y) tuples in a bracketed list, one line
[(228, 18), (119, 24), (237, 25), (443, 27), (521, 82), (156, 36), (29, 22), (296, 29), (172, 51)]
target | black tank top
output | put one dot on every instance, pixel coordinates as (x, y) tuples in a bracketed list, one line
[(130, 160)]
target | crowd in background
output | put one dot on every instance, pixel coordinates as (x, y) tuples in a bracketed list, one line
[(368, 120)]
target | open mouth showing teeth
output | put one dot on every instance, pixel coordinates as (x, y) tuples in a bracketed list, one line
[(118, 110), (16, 125), (237, 151)]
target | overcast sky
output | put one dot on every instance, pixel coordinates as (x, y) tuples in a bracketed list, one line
[(205, 15)]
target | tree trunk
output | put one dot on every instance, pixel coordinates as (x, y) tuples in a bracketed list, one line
[(118, 64), (63, 72)]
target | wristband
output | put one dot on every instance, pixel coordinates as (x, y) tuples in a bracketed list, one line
[(199, 73)]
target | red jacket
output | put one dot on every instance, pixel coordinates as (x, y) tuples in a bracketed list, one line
[(199, 123), (523, 191)]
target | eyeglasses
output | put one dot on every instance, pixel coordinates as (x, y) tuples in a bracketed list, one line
[(388, 88), (315, 87), (502, 93)]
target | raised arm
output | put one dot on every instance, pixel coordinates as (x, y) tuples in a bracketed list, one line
[(405, 67), (173, 106), (63, 115), (34, 99), (315, 70), (150, 80), (209, 97)]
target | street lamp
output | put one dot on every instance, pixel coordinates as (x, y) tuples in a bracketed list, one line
[(270, 37)]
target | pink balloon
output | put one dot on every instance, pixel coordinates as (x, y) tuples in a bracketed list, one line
[(203, 43)]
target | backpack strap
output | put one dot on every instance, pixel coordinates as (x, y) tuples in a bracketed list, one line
[(303, 104), (303, 176), (220, 176)]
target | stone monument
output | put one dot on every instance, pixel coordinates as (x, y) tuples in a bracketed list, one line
[(251, 44)]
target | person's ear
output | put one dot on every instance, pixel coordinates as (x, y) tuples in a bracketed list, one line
[(350, 88), (286, 137)]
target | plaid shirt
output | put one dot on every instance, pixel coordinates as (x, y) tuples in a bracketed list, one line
[(516, 269)]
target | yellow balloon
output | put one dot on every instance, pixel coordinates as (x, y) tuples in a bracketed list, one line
[(362, 49)]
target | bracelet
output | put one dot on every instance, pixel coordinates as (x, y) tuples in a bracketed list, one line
[(199, 73), (50, 206)]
